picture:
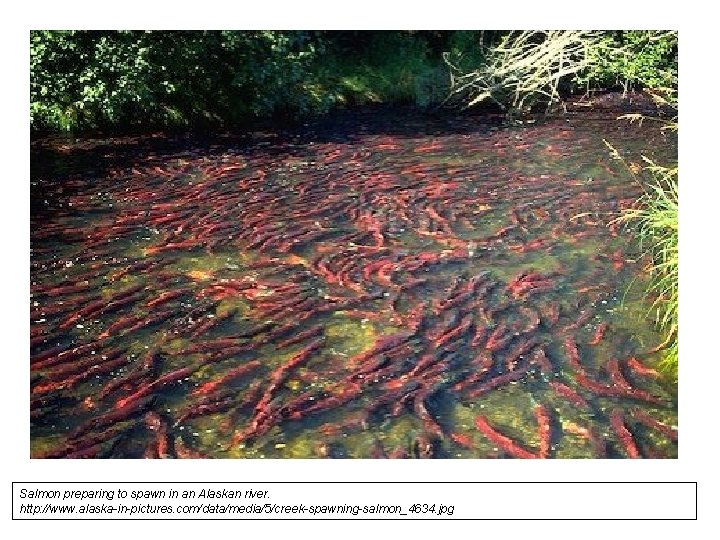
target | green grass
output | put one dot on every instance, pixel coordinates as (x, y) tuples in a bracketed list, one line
[(655, 222)]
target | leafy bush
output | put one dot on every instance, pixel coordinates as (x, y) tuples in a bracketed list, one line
[(85, 80), (635, 59), (383, 67), (88, 80)]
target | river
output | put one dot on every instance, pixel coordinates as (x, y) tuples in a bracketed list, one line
[(378, 284)]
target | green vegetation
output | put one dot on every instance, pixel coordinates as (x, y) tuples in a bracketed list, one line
[(384, 67), (653, 65), (655, 221), (88, 80), (636, 59)]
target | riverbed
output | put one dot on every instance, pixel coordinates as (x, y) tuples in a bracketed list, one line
[(378, 284)]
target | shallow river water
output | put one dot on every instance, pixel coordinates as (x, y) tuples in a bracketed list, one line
[(378, 285)]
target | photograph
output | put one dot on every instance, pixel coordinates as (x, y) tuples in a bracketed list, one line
[(353, 244)]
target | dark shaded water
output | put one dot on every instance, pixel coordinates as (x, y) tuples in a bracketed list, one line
[(381, 285)]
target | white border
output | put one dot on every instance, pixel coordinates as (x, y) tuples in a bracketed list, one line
[(699, 276)]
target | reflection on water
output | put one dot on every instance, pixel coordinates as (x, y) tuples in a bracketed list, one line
[(378, 286)]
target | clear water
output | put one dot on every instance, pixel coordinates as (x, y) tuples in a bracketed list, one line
[(482, 248)]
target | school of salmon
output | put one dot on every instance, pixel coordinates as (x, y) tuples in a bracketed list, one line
[(382, 287)]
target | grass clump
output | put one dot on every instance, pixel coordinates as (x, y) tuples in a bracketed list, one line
[(655, 222)]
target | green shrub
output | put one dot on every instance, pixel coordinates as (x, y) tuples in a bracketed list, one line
[(83, 80), (385, 67), (635, 59), (88, 80)]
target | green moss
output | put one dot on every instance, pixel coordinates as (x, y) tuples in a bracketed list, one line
[(509, 410), (348, 337), (186, 263), (112, 288), (572, 446), (301, 447), (400, 432), (45, 444), (230, 303)]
